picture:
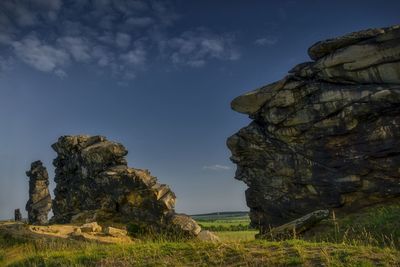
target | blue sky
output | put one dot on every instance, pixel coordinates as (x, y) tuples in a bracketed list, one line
[(157, 76)]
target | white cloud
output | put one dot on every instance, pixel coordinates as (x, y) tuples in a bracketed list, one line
[(134, 57), (103, 58), (120, 37), (49, 4), (217, 167), (78, 47), (164, 12), (31, 12), (24, 16), (269, 40), (108, 22), (106, 37), (129, 7), (60, 73), (101, 4), (6, 63), (5, 38), (39, 55), (123, 40), (195, 48), (140, 21)]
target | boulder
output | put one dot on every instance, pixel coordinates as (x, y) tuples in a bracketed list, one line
[(39, 203), (327, 136), (206, 235), (115, 232), (90, 227), (184, 224)]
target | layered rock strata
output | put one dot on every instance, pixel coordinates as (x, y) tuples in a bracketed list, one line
[(94, 183), (39, 203), (327, 136)]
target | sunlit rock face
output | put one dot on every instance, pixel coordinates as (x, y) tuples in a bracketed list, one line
[(327, 135), (94, 183), (39, 203)]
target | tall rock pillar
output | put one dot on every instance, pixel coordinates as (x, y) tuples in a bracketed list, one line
[(39, 203)]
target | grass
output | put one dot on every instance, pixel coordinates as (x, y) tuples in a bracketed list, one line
[(192, 253), (218, 222), (227, 236), (368, 238), (375, 226)]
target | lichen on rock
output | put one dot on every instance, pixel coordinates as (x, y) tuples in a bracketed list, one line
[(327, 136)]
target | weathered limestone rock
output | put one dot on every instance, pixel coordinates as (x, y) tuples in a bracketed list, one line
[(370, 56), (90, 227), (116, 232), (296, 227), (185, 224), (94, 183), (208, 236), (327, 136), (39, 203), (17, 215)]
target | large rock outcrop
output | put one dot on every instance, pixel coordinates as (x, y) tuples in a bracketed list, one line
[(94, 183), (39, 203), (325, 136)]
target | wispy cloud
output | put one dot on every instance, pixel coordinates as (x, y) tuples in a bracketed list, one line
[(39, 55), (78, 47), (140, 22), (123, 40), (50, 35), (121, 36), (195, 48), (264, 41), (217, 167), (136, 56), (6, 63)]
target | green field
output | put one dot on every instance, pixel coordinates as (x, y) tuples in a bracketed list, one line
[(224, 221), (369, 238), (237, 235)]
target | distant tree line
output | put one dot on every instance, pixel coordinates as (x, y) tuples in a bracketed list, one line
[(221, 228)]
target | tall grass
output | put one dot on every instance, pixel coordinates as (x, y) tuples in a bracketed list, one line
[(375, 226)]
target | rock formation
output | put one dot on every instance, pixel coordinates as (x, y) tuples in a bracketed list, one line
[(39, 203), (94, 183), (17, 215), (325, 136)]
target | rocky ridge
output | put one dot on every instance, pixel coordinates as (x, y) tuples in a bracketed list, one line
[(327, 136), (94, 183)]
